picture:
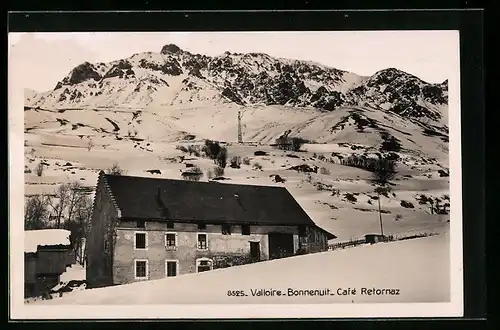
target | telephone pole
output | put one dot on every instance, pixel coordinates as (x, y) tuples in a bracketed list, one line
[(240, 134)]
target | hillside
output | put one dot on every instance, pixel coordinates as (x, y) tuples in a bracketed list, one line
[(139, 111)]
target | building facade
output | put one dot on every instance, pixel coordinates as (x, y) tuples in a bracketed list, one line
[(45, 260), (144, 229)]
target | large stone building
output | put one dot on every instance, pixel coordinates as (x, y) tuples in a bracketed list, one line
[(148, 228)]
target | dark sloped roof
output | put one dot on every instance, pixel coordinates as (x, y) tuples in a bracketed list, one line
[(137, 197)]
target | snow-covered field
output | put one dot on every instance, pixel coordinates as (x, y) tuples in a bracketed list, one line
[(76, 144), (416, 270)]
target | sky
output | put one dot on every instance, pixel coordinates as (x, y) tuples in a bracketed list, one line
[(42, 59)]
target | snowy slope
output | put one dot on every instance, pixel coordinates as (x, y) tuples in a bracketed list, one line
[(418, 277)]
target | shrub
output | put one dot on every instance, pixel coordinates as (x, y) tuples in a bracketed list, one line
[(235, 162), (194, 174), (39, 169), (398, 217), (246, 161), (218, 171), (390, 143), (324, 171), (297, 143), (288, 143), (350, 197), (392, 156), (257, 166), (211, 149), (384, 171), (321, 186), (194, 150), (221, 158), (181, 148)]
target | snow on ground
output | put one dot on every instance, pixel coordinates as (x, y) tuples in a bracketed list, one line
[(160, 129), (417, 269), (35, 238), (71, 280), (74, 272)]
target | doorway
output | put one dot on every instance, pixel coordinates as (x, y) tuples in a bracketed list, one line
[(280, 245), (255, 251)]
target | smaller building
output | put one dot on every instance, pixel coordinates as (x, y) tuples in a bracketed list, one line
[(47, 253), (374, 238)]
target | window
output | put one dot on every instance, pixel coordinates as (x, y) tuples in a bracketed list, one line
[(245, 229), (226, 229), (170, 225), (141, 269), (203, 265), (202, 242), (140, 241), (141, 224), (171, 268), (202, 226), (170, 241), (106, 246)]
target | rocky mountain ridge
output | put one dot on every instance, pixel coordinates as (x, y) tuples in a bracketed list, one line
[(175, 77)]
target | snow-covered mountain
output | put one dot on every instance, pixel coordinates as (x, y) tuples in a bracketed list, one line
[(174, 77)]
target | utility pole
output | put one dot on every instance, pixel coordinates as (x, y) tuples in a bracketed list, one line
[(240, 134), (380, 216)]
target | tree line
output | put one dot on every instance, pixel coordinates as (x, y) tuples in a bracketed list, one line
[(70, 208)]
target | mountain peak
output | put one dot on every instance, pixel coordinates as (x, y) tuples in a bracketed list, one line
[(171, 49)]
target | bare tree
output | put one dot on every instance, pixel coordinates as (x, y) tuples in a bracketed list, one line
[(74, 200), (90, 145), (36, 213), (39, 169), (383, 173), (59, 203), (79, 223), (115, 170)]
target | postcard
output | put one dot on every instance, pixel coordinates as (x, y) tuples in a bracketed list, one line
[(235, 174)]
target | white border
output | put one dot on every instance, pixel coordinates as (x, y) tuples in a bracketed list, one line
[(176, 267), (176, 243), (197, 237), (19, 310), (198, 260), (146, 240), (135, 269)]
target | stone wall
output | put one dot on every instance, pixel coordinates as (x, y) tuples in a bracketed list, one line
[(221, 249), (99, 259)]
